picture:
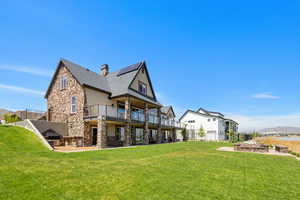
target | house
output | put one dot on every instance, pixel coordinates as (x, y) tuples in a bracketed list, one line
[(108, 109), (230, 125), (214, 124)]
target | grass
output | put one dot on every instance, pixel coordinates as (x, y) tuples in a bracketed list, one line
[(294, 146), (190, 170)]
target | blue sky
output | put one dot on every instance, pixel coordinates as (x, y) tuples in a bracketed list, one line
[(240, 58)]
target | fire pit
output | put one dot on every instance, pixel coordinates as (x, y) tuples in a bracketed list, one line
[(251, 147)]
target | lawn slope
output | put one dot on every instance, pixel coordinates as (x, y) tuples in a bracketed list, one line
[(191, 170)]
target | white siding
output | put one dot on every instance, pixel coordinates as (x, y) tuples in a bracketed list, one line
[(214, 129)]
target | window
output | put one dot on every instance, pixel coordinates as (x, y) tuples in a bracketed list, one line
[(191, 121), (73, 104), (121, 111), (214, 119), (142, 88), (63, 82), (208, 120)]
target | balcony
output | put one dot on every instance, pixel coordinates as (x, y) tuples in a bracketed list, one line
[(107, 112), (112, 113), (153, 119), (137, 117)]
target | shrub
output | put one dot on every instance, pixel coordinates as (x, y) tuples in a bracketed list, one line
[(201, 132), (10, 118)]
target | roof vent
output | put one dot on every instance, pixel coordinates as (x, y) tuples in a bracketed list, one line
[(104, 70)]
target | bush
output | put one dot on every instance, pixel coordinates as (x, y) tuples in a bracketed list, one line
[(10, 118)]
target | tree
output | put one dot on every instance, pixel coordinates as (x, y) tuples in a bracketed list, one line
[(230, 134), (254, 134), (201, 132), (184, 133), (10, 118)]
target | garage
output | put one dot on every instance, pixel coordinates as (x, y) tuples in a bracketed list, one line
[(211, 135)]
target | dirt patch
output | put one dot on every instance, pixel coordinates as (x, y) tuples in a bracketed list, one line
[(293, 146)]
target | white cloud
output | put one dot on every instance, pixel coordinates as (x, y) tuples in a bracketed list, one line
[(21, 90), (250, 123), (28, 70), (265, 95)]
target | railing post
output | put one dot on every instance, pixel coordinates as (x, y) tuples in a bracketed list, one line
[(158, 139)]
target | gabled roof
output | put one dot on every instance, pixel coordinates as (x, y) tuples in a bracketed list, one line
[(210, 112), (231, 120), (203, 110), (207, 115), (115, 83), (166, 109)]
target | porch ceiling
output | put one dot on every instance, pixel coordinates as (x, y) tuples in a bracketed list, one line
[(136, 102)]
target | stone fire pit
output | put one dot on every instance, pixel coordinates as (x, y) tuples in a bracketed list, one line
[(251, 147)]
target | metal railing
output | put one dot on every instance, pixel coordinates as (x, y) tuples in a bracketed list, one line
[(113, 113), (137, 116)]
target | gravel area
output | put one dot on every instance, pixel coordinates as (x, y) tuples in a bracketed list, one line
[(271, 152)]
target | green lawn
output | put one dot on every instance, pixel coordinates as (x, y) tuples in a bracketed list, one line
[(192, 170)]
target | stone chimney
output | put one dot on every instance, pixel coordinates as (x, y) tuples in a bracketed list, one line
[(104, 69)]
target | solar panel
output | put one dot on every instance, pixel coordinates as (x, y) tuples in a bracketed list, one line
[(128, 69)]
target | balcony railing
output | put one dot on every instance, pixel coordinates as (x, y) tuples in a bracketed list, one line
[(153, 119), (115, 114), (137, 116), (109, 112)]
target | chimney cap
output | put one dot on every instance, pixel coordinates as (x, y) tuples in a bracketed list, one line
[(104, 66)]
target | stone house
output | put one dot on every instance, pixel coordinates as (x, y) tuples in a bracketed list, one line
[(108, 109)]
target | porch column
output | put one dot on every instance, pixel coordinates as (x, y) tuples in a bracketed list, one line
[(101, 134), (146, 127), (159, 135), (174, 136), (128, 120)]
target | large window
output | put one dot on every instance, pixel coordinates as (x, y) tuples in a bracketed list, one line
[(63, 82), (142, 88), (73, 104)]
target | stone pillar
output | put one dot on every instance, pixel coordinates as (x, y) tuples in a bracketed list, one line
[(127, 140), (101, 135), (127, 109), (128, 120), (146, 127), (174, 136), (159, 135)]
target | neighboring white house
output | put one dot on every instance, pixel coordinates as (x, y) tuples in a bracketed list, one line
[(213, 123)]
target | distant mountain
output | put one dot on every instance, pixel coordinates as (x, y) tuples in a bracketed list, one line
[(280, 131)]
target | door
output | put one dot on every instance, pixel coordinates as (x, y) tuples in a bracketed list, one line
[(94, 136), (211, 135), (120, 134)]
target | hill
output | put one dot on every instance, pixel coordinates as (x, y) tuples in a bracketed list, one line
[(280, 131), (17, 139), (3, 112)]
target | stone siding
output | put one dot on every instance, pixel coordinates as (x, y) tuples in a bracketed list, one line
[(59, 103)]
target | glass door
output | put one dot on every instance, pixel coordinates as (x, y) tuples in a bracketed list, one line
[(139, 136)]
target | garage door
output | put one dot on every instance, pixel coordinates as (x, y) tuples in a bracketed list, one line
[(211, 135)]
